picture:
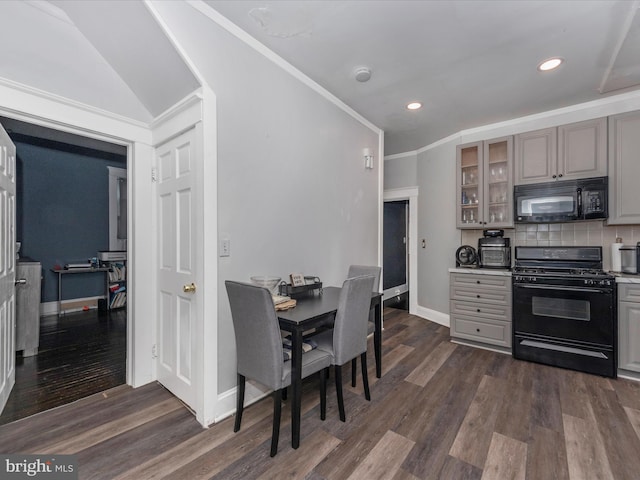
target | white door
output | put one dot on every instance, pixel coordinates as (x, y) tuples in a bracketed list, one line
[(7, 265), (180, 273)]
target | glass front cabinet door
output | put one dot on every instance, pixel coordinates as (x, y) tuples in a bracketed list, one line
[(469, 179), (485, 184)]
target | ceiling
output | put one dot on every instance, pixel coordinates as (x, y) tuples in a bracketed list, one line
[(470, 63)]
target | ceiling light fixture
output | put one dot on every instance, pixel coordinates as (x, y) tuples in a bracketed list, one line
[(550, 64), (414, 105), (362, 74)]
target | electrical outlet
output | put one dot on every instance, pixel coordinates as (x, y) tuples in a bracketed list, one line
[(225, 247)]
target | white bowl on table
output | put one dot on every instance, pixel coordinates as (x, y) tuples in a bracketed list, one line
[(270, 283)]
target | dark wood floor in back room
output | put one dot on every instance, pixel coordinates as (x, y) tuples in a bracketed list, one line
[(440, 411), (80, 354)]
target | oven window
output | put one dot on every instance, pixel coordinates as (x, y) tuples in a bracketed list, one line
[(561, 308)]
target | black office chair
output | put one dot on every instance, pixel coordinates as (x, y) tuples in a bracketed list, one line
[(260, 352)]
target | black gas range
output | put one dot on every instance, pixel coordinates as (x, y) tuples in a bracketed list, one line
[(564, 309)]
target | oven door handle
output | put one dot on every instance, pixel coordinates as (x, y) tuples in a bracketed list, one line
[(561, 288)]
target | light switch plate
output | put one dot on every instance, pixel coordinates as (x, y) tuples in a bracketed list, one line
[(224, 247)]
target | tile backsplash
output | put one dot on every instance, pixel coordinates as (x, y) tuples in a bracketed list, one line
[(593, 233)]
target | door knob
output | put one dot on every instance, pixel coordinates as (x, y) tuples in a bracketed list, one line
[(21, 281), (189, 288)]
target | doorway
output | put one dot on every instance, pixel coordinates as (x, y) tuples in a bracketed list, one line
[(62, 216), (395, 254)]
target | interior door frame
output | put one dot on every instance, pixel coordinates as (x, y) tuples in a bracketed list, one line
[(397, 289), (39, 108), (410, 194)]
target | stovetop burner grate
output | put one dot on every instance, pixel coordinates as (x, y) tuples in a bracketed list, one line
[(566, 272), (581, 262)]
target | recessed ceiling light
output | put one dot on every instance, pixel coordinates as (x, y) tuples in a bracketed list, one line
[(550, 64), (414, 105)]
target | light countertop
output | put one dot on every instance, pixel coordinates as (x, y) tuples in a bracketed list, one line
[(626, 278), (482, 271)]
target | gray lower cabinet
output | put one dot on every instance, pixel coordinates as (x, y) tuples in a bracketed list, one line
[(28, 281), (480, 308), (629, 326)]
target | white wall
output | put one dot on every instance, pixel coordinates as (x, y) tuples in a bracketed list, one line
[(293, 194), (401, 171), (437, 226)]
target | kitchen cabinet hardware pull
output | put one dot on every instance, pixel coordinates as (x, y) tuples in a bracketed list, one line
[(477, 330), (477, 296), (478, 310)]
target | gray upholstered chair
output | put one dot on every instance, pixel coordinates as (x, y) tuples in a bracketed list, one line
[(348, 338), (356, 271), (260, 352)]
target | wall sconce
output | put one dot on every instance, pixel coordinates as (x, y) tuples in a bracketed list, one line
[(368, 158)]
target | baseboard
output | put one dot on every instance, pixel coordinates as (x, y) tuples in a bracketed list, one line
[(483, 346), (635, 376), (69, 306), (226, 405), (434, 316)]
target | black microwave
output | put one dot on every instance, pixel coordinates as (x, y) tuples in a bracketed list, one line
[(564, 201)]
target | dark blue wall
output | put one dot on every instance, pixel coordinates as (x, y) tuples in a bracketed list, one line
[(63, 211)]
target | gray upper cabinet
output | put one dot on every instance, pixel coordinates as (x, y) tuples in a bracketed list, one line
[(536, 156), (576, 150), (485, 184), (624, 169), (582, 149)]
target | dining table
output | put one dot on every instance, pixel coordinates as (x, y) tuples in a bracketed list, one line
[(310, 312)]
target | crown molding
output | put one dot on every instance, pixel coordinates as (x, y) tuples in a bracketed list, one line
[(625, 102), (243, 36), (32, 105)]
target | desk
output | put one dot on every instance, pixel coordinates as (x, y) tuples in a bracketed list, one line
[(69, 271), (311, 312)]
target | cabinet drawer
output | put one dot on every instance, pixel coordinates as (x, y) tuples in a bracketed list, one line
[(481, 295), (499, 312), (482, 281), (485, 331), (628, 292)]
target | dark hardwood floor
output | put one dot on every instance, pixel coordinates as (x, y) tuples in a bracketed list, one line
[(80, 354), (440, 411)]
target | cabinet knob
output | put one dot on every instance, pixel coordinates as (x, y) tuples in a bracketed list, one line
[(559, 175), (478, 310), (554, 176), (477, 296), (477, 330), (477, 281)]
